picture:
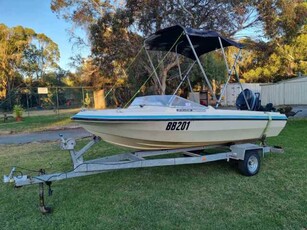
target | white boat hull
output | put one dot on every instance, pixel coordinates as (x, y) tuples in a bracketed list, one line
[(157, 125), (152, 135)]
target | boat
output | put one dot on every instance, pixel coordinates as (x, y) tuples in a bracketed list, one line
[(167, 124), (170, 122), (161, 122)]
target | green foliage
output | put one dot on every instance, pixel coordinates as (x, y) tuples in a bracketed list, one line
[(215, 68), (282, 59), (18, 110), (285, 53), (283, 18), (113, 45), (87, 100), (41, 55), (23, 54)]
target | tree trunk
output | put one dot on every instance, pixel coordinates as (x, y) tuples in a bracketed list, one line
[(115, 99), (99, 99), (163, 81), (165, 71)]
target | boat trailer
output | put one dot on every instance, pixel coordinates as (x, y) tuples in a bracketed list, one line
[(247, 155)]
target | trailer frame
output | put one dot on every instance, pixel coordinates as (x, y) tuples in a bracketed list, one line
[(137, 159)]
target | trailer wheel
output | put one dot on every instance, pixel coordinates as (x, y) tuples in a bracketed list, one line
[(251, 164)]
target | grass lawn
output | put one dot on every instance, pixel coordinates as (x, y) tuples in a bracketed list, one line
[(35, 123), (205, 196)]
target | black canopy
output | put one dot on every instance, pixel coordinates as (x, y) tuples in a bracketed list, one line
[(203, 41)]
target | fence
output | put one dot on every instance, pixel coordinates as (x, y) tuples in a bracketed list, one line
[(54, 99), (291, 92)]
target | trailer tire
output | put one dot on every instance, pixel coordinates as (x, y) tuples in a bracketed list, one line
[(251, 164)]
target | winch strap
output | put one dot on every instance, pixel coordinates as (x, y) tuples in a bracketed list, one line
[(267, 124)]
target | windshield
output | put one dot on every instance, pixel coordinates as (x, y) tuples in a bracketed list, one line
[(165, 100)]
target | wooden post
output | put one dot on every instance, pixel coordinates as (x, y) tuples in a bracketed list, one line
[(57, 101)]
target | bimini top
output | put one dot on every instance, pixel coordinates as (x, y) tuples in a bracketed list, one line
[(203, 41)]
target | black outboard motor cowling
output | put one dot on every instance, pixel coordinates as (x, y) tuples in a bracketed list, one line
[(252, 100)]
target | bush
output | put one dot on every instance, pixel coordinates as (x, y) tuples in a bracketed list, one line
[(18, 110)]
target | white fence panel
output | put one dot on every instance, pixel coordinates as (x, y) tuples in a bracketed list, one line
[(296, 93), (285, 93)]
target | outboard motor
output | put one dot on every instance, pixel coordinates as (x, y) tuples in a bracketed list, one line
[(252, 99)]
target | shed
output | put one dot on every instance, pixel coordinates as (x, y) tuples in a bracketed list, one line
[(234, 89)]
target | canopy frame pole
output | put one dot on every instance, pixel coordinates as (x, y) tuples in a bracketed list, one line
[(238, 79), (200, 65), (178, 63), (229, 74), (153, 67), (180, 73), (191, 89), (181, 82), (224, 55)]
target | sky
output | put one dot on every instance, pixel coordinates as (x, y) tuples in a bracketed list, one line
[(37, 15)]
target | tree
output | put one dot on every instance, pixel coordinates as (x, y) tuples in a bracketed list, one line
[(282, 18), (116, 30), (108, 38), (116, 26), (41, 55), (81, 14), (268, 62), (224, 16), (227, 17), (19, 56), (284, 54), (12, 43)]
